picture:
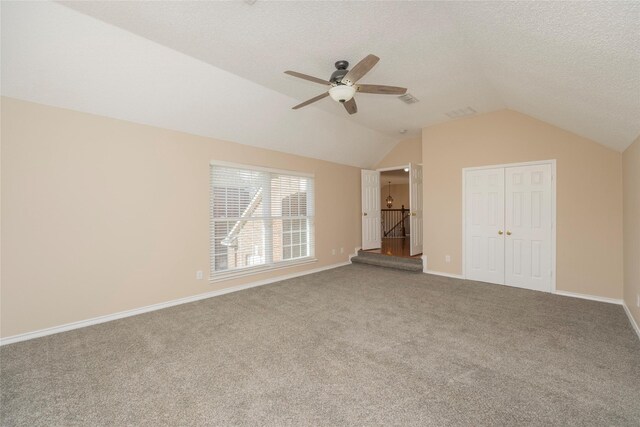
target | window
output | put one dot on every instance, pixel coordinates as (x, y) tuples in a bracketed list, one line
[(260, 219)]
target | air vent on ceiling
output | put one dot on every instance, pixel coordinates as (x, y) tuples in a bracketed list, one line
[(407, 98), (250, 2), (461, 112)]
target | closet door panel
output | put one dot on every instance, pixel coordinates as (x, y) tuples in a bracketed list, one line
[(484, 223), (528, 227)]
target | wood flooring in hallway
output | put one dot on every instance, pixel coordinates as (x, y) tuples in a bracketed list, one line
[(395, 247)]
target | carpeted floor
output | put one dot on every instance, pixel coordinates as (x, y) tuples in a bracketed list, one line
[(357, 345)]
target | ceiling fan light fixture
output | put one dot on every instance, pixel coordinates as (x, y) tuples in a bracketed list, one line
[(342, 84), (342, 93)]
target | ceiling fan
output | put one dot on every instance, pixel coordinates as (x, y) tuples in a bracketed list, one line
[(343, 84)]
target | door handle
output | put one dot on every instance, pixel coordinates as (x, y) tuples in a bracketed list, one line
[(508, 233), (500, 232), (365, 214), (413, 214)]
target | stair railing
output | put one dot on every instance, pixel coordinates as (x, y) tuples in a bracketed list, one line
[(394, 222)]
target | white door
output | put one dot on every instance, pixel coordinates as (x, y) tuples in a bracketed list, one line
[(528, 227), (371, 220), (484, 221), (415, 207)]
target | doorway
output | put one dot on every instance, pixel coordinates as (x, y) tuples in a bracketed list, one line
[(395, 213), (392, 211)]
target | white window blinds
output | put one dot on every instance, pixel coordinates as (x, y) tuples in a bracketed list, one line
[(259, 219)]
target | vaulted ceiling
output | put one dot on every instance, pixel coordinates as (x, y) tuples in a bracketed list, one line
[(572, 64)]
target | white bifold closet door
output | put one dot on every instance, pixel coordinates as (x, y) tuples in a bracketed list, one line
[(508, 226), (484, 223), (528, 227)]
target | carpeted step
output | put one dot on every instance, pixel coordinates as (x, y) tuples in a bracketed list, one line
[(399, 263)]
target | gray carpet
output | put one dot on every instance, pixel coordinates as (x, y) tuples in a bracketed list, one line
[(357, 345)]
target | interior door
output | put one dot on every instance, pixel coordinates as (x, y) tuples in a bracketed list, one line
[(415, 207), (484, 221), (528, 227), (371, 219)]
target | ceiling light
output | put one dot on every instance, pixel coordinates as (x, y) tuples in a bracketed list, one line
[(403, 131), (342, 93), (389, 199), (406, 169)]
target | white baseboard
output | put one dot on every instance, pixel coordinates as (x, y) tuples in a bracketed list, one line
[(357, 248), (439, 273), (133, 312), (159, 306), (634, 324), (589, 297), (425, 269)]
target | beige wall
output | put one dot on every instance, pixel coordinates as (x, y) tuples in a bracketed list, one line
[(589, 194), (102, 215), (631, 179), (403, 153)]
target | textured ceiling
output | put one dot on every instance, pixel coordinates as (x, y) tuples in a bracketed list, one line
[(56, 56), (216, 68), (420, 47), (572, 64)]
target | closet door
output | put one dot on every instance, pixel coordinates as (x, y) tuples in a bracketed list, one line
[(484, 221), (528, 227)]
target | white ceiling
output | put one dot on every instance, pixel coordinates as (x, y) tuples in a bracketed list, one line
[(56, 56), (572, 64)]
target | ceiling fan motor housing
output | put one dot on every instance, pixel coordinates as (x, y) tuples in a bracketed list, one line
[(341, 71)]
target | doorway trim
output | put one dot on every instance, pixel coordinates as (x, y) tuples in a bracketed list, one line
[(393, 168), (554, 180), (402, 167)]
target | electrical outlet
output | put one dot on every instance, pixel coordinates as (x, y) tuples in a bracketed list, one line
[(447, 258), (341, 250), (333, 251), (199, 275)]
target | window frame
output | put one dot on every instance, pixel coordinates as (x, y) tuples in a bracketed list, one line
[(270, 266)]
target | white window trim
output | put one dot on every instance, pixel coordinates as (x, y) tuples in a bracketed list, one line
[(260, 168), (250, 271)]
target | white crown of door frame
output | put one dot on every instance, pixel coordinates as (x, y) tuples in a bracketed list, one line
[(553, 210), (395, 168)]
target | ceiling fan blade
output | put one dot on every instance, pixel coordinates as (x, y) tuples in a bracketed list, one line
[(382, 90), (360, 69), (311, 101), (351, 106), (306, 77)]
